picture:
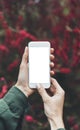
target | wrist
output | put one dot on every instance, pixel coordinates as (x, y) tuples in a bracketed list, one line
[(23, 89), (52, 125), (56, 123)]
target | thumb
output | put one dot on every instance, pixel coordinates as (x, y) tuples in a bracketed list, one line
[(42, 92), (57, 86)]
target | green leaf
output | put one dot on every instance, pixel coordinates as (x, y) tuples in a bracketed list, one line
[(2, 32), (66, 11)]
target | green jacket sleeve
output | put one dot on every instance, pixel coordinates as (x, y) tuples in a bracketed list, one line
[(12, 108)]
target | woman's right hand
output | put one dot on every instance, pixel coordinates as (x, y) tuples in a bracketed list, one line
[(53, 105)]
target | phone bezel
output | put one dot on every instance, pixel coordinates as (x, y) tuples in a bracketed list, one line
[(40, 44)]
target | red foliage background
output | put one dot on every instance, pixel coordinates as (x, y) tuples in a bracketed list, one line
[(53, 20)]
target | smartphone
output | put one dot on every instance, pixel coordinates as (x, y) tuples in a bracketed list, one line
[(39, 63)]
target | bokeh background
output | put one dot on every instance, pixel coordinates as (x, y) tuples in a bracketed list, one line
[(57, 21)]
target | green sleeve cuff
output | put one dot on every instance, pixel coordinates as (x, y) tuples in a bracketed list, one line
[(16, 99)]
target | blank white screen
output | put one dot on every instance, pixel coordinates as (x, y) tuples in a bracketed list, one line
[(39, 69)]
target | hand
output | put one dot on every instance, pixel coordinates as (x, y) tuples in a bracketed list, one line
[(22, 82), (53, 105)]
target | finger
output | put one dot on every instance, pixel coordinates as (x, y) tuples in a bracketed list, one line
[(51, 65), (51, 57), (52, 73), (42, 92), (57, 86), (25, 55), (51, 50)]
